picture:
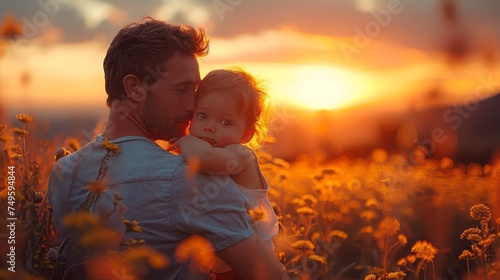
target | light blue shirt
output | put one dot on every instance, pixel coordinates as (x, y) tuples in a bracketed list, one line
[(168, 199)]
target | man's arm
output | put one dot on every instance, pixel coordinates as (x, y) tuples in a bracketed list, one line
[(200, 155), (253, 258)]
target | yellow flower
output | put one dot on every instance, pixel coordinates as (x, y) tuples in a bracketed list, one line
[(264, 157), (488, 241), (132, 226), (145, 253), (60, 153), (446, 163), (328, 172), (315, 237), (317, 258), (401, 262), (16, 156), (396, 275), (131, 242), (354, 185), (98, 237), (110, 146), (80, 220), (306, 211), (465, 234), (387, 182), (424, 250), (198, 250), (2, 127), (281, 257), (371, 277), (389, 225), (97, 187), (480, 212), (402, 239), (372, 202), (411, 258), (336, 234), (257, 214), (74, 144), (24, 118), (368, 215), (309, 199), (466, 254), (298, 202), (379, 155), (20, 133), (11, 28), (281, 163), (303, 245), (474, 238), (367, 230), (117, 197)]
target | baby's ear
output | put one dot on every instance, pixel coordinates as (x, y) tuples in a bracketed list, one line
[(247, 135)]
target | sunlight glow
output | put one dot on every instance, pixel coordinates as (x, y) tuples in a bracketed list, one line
[(366, 5), (323, 87)]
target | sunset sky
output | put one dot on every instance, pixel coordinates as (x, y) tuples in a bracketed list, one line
[(311, 54)]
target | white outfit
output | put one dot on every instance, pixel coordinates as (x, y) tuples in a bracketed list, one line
[(267, 227)]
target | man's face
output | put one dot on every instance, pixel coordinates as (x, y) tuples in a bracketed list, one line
[(169, 103)]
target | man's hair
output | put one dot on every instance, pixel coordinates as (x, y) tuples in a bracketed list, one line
[(247, 92), (141, 48)]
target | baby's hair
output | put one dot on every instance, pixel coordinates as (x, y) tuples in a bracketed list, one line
[(249, 94)]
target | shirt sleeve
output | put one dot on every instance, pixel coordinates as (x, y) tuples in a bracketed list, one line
[(210, 206)]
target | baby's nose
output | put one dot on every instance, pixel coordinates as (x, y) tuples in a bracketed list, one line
[(209, 127)]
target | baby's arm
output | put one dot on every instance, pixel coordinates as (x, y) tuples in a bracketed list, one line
[(228, 160)]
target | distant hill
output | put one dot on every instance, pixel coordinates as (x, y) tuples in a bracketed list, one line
[(473, 129), (465, 132)]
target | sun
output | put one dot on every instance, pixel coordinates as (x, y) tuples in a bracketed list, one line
[(324, 87)]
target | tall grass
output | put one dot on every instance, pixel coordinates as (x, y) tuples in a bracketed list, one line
[(378, 217)]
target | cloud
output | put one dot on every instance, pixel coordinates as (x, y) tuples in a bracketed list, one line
[(419, 24), (190, 11), (93, 12)]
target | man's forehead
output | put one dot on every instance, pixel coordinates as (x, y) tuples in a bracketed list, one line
[(183, 69)]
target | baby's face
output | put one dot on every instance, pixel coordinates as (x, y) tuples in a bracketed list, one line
[(217, 120)]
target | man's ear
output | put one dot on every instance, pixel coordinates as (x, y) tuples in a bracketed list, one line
[(133, 88), (247, 135)]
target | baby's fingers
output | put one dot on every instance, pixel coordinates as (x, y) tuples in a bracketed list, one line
[(173, 140)]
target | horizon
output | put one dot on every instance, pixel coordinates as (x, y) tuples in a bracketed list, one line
[(368, 56)]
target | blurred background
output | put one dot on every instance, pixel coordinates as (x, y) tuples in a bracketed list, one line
[(346, 76)]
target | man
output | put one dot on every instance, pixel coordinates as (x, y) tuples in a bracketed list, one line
[(151, 72)]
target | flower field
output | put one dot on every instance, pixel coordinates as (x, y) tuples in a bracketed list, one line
[(387, 216)]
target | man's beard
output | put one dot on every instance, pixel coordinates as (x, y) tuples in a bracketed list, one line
[(171, 128)]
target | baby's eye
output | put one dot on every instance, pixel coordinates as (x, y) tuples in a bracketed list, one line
[(201, 115), (226, 122)]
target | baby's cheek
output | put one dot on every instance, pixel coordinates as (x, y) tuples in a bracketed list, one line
[(193, 129)]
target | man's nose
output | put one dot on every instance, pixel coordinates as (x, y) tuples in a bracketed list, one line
[(189, 102)]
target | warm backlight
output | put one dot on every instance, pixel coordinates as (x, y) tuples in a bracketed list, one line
[(324, 87)]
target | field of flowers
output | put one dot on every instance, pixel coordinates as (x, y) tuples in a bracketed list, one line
[(387, 216)]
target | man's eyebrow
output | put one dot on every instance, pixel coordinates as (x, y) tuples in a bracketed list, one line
[(186, 83)]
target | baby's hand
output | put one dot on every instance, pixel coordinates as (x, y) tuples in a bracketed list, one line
[(174, 146)]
